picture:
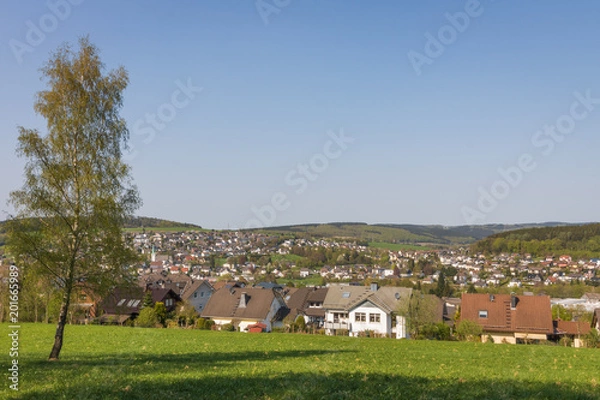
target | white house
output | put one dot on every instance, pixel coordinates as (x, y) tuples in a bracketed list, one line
[(198, 294)]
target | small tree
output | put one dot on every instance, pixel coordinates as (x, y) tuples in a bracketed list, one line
[(186, 314), (468, 330), (148, 302), (147, 318), (161, 312), (300, 323)]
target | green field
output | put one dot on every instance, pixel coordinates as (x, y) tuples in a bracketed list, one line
[(399, 246), (165, 229), (101, 362)]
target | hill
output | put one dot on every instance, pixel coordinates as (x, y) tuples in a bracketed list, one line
[(132, 224), (575, 240), (397, 233), (107, 362)]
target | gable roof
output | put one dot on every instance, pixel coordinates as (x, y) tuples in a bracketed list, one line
[(532, 314), (190, 289), (339, 297), (225, 303), (386, 298)]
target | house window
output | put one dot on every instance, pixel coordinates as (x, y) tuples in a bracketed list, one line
[(201, 294), (195, 295), (483, 314), (374, 318), (121, 302), (169, 302), (360, 317)]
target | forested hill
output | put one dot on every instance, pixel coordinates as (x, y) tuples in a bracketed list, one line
[(575, 240), (402, 233)]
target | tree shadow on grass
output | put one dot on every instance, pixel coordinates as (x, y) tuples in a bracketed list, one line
[(238, 375)]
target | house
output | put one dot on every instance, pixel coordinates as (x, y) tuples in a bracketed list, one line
[(336, 304), (358, 309), (377, 312), (509, 318), (308, 302), (124, 304), (245, 306), (197, 294), (573, 330)]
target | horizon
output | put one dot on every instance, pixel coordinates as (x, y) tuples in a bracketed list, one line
[(446, 113)]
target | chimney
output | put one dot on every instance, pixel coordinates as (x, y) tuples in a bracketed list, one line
[(243, 300), (374, 287), (513, 301)]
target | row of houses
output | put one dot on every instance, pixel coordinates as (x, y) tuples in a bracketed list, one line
[(350, 310)]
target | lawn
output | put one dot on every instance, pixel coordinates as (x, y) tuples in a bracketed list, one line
[(101, 362)]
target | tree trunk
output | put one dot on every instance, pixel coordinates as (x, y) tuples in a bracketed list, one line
[(60, 327)]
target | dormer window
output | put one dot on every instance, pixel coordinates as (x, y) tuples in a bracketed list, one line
[(483, 314)]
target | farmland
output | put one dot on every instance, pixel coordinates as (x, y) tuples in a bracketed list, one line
[(100, 362)]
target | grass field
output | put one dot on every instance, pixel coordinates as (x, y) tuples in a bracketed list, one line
[(399, 246), (166, 229), (100, 362)]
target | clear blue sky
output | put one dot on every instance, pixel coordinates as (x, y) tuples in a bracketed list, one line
[(429, 136)]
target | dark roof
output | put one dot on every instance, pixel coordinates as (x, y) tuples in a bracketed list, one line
[(532, 314), (124, 301), (225, 303)]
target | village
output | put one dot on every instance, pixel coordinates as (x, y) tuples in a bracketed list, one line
[(212, 275)]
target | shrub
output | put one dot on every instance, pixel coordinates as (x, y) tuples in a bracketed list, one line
[(147, 318), (208, 324), (468, 330), (170, 323), (300, 323), (200, 323), (228, 327), (592, 339)]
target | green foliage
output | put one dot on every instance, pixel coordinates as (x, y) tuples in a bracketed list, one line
[(439, 331), (110, 362), (228, 327), (148, 302), (300, 324), (208, 324), (161, 312), (592, 339), (147, 318), (468, 330), (560, 312), (77, 191), (200, 323), (421, 314), (577, 241)]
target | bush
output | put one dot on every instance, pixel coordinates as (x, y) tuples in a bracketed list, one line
[(200, 323), (468, 330), (147, 318), (208, 324), (300, 324), (592, 339), (172, 323), (228, 327)]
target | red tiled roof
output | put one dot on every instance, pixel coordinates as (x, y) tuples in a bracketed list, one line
[(532, 314)]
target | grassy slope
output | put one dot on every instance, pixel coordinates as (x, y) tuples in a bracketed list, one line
[(124, 363), (393, 233)]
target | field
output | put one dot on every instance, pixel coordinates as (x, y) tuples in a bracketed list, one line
[(399, 246), (101, 362)]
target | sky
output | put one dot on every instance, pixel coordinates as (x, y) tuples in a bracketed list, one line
[(278, 112)]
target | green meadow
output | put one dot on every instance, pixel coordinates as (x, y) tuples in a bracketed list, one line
[(100, 362)]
